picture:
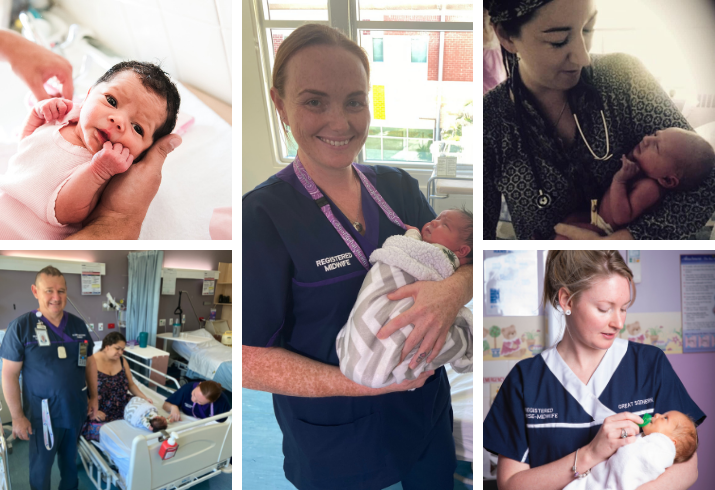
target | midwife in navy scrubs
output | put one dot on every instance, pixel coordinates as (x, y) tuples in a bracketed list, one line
[(46, 350), (576, 403), (201, 400), (308, 232)]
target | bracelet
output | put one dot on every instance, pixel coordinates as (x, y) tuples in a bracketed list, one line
[(576, 474)]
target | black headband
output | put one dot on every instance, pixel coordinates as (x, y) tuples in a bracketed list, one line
[(505, 10)]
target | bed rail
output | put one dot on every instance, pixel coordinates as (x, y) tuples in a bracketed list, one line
[(144, 366), (96, 467), (204, 452), (5, 483)]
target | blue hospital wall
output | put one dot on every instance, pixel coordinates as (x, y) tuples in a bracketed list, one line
[(659, 292)]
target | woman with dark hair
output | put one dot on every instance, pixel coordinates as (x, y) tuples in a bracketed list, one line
[(114, 382), (562, 120)]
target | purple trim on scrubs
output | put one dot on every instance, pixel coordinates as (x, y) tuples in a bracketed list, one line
[(370, 208), (329, 281), (272, 339), (59, 330)]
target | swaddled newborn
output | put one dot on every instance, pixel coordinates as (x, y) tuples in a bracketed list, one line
[(669, 438), (433, 254), (142, 414)]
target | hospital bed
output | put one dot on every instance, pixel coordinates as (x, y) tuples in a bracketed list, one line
[(462, 390), (4, 464), (207, 358), (128, 457)]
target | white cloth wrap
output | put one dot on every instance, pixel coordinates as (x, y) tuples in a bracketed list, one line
[(139, 412), (372, 362), (631, 466)]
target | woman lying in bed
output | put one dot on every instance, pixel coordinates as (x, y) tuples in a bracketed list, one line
[(114, 382)]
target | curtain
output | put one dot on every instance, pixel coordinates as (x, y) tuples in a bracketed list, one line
[(143, 295)]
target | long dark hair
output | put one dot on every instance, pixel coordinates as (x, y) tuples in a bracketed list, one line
[(112, 339)]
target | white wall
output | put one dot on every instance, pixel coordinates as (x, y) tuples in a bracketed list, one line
[(257, 157), (191, 38)]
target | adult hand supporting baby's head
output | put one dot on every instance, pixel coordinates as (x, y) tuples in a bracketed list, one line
[(124, 203)]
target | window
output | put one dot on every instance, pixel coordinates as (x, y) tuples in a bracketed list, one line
[(421, 83), (377, 49), (419, 50)]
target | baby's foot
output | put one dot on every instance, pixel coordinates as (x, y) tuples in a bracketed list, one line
[(111, 160)]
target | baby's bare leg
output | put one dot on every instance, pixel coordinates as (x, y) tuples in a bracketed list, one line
[(80, 194)]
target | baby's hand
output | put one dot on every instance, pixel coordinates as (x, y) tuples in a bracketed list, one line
[(52, 109), (628, 170), (111, 160)]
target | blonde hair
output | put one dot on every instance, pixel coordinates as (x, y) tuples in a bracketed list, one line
[(687, 437), (578, 270)]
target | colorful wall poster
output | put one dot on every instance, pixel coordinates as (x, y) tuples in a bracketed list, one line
[(512, 337), (697, 299), (663, 330)]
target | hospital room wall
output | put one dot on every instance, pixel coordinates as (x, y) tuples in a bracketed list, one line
[(659, 292), (16, 297), (190, 38), (167, 303)]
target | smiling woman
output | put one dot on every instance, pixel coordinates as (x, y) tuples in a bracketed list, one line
[(313, 226)]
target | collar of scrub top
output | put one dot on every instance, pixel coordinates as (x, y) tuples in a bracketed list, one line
[(370, 209), (59, 330), (327, 208), (192, 408), (587, 395)]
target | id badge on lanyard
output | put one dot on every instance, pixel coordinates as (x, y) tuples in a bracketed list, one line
[(43, 337), (322, 203)]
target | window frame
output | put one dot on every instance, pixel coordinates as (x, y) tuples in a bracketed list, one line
[(343, 15)]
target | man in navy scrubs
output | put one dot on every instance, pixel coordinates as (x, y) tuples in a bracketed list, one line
[(49, 347)]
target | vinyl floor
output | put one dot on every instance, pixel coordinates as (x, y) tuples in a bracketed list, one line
[(262, 464)]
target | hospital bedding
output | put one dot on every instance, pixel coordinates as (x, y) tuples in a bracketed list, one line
[(115, 438), (209, 360), (462, 388)]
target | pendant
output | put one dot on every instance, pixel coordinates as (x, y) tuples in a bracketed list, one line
[(358, 226), (543, 200)]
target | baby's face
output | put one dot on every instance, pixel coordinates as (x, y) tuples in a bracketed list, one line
[(445, 230), (658, 154), (666, 423), (121, 111)]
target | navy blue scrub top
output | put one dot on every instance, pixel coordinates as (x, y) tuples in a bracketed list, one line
[(542, 412), (300, 282), (182, 399), (44, 374)]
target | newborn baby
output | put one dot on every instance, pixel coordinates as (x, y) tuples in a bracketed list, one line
[(66, 157), (669, 438), (433, 254), (142, 414), (671, 159)]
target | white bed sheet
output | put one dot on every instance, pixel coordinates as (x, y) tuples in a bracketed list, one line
[(463, 407), (206, 357), (196, 177)]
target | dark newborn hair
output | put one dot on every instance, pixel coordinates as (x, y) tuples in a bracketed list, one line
[(156, 80), (158, 424)]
